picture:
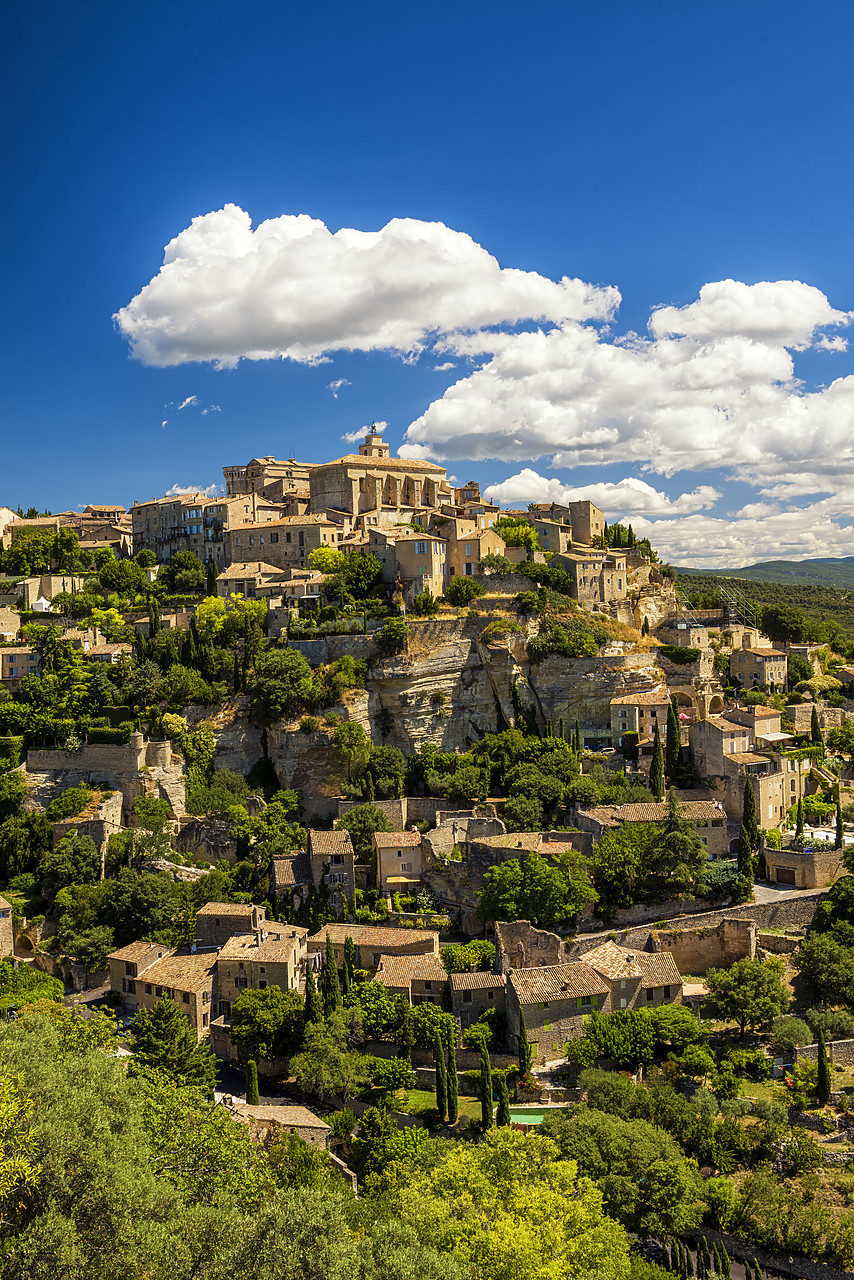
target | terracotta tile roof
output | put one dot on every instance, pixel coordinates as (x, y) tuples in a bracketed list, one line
[(296, 1117), (240, 946), (288, 873), (760, 711), (727, 726), (613, 962), (657, 698), (747, 757), (556, 982), (397, 839), (373, 935), (226, 909), (321, 842), (478, 981), (185, 970), (659, 969), (695, 810), (279, 948), (252, 567), (137, 951), (401, 971), (396, 464)]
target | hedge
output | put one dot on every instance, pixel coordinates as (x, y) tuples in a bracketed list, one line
[(679, 656)]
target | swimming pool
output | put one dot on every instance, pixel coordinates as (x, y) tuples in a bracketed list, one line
[(526, 1117)]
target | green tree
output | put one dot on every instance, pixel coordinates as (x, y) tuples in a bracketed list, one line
[(840, 829), (163, 1039), (362, 821), (750, 992), (74, 860), (673, 744), (252, 1083), (748, 816), (823, 1086), (656, 770), (330, 987), (313, 1001), (815, 728), (502, 1116), (349, 751), (548, 893), (828, 967), (799, 823), (281, 685), (267, 1023), (453, 1083), (745, 855), (350, 959), (441, 1077), (486, 1116), (325, 1067), (461, 591), (525, 1049)]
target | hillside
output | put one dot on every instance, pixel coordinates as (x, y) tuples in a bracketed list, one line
[(826, 572)]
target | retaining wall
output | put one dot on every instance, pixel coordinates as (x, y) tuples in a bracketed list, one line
[(840, 1053), (330, 648)]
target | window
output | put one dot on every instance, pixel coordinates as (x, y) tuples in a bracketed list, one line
[(185, 996), (650, 994), (405, 866), (287, 537), (468, 548), (622, 1002), (421, 548), (263, 969), (466, 997), (130, 986), (148, 988), (129, 968), (206, 996), (262, 984), (428, 986), (302, 539), (204, 1019), (337, 859), (158, 991), (274, 537)]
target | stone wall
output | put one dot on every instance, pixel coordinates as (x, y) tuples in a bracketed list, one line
[(330, 648), (778, 943), (840, 1053), (411, 809), (717, 947), (96, 758)]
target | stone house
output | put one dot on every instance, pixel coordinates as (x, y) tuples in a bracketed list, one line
[(17, 661), (272, 956), (420, 978), (708, 816), (638, 713), (468, 541), (758, 666), (270, 478), (556, 998), (142, 973), (380, 489), (398, 855), (332, 863), (598, 577), (264, 1121), (584, 519), (285, 543), (474, 993), (216, 922), (372, 942), (420, 560), (725, 753), (804, 868), (250, 579)]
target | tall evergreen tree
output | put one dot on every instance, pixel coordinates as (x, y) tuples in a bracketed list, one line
[(441, 1076), (350, 959), (799, 822), (210, 578), (502, 1117), (163, 1038), (577, 743), (748, 815), (672, 745), (526, 1051), (645, 626), (405, 1035), (330, 987), (313, 1002), (154, 623), (815, 728), (252, 1083), (840, 830), (822, 1089), (453, 1083), (562, 734), (486, 1115), (745, 854), (656, 770)]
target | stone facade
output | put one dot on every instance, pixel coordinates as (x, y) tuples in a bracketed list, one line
[(804, 869), (398, 855), (216, 922), (694, 950), (142, 973), (372, 942), (381, 489), (475, 993), (7, 939)]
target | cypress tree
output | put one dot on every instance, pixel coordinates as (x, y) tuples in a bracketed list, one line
[(745, 856), (154, 623), (441, 1077), (525, 1050), (799, 824), (453, 1084), (689, 1264), (645, 626), (815, 728), (672, 745), (717, 1261), (329, 985), (748, 815), (727, 1265), (350, 959), (345, 980), (822, 1089), (503, 1117), (656, 771), (840, 830), (487, 1118), (562, 734), (313, 1002), (210, 579), (405, 1035), (577, 743), (252, 1083)]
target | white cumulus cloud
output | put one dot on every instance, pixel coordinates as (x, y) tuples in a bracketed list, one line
[(293, 288), (617, 499), (180, 490), (783, 313), (352, 437)]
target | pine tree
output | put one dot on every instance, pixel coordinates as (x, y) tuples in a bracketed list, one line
[(162, 1038), (673, 745), (487, 1118), (745, 854), (252, 1083), (503, 1116), (799, 823), (748, 815), (526, 1051), (840, 830), (656, 771), (822, 1089), (441, 1077), (329, 985), (313, 1002), (453, 1084)]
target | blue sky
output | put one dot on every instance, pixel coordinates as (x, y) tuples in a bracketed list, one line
[(643, 151)]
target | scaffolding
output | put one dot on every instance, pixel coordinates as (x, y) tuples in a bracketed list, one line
[(738, 607)]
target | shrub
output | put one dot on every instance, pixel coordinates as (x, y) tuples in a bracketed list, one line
[(461, 591), (681, 657), (308, 724), (67, 805)]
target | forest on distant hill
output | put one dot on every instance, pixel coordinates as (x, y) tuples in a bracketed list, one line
[(788, 610), (818, 573)]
